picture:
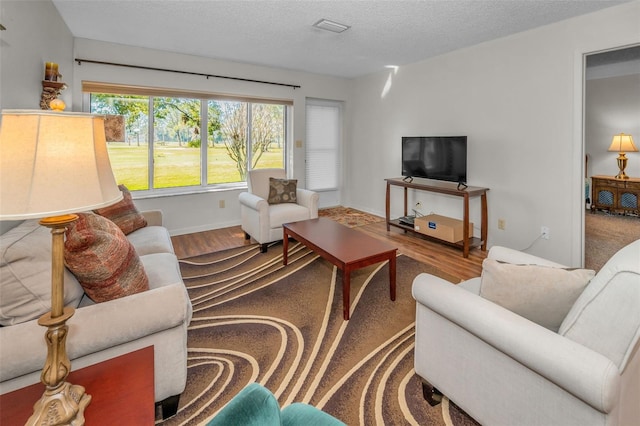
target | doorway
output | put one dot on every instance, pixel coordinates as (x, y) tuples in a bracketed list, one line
[(611, 106)]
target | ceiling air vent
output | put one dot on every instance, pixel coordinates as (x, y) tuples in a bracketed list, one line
[(335, 27)]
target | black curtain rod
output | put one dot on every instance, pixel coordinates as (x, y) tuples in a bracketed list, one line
[(80, 61)]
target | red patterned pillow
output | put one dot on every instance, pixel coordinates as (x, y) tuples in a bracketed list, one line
[(124, 213), (102, 259)]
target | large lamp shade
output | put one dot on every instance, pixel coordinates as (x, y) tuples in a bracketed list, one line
[(53, 163)]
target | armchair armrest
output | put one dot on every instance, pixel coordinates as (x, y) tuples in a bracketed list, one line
[(153, 217), (505, 254), (253, 201), (578, 370), (307, 198)]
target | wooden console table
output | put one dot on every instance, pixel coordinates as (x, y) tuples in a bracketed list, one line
[(615, 195), (121, 389), (448, 188)]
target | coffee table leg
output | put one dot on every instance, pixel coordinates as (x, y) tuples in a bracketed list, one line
[(392, 276), (285, 246), (346, 286)]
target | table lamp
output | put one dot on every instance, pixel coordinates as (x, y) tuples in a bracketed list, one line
[(52, 164), (622, 143)]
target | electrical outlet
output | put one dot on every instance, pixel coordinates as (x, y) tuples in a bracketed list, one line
[(546, 234), (221, 204), (418, 205), (502, 224)]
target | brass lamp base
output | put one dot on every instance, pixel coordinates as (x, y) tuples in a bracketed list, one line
[(63, 405), (622, 164)]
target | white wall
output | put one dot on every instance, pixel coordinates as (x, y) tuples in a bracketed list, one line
[(519, 101), (35, 34), (612, 105), (197, 212)]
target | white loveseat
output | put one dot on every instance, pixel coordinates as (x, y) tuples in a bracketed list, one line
[(503, 369), (157, 317)]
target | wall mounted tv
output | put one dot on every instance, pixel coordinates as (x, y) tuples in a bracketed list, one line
[(435, 157)]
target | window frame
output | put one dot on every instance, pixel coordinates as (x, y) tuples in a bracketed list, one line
[(89, 87)]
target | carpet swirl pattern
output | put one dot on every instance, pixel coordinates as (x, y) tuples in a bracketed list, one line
[(256, 320)]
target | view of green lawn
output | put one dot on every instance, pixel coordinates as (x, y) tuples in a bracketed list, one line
[(178, 166)]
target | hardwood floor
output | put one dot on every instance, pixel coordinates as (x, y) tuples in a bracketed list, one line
[(443, 257)]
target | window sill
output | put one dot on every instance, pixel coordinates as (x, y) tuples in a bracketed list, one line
[(173, 192)]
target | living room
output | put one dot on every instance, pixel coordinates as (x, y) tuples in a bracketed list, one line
[(493, 92), (519, 99)]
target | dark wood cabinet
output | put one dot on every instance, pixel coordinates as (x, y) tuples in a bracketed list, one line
[(615, 195)]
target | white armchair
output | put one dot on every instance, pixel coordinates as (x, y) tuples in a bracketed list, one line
[(504, 369), (263, 221)]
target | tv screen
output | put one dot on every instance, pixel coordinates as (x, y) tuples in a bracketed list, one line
[(435, 157)]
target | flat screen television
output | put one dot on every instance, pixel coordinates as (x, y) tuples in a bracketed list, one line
[(435, 157)]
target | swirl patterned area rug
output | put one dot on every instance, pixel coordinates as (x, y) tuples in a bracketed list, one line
[(258, 321)]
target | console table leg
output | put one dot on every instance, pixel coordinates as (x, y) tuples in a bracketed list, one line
[(485, 223), (388, 206)]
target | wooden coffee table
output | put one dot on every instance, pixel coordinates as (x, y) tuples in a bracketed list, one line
[(344, 247), (121, 389)]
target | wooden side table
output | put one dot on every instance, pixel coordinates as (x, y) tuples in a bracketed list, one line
[(121, 389)]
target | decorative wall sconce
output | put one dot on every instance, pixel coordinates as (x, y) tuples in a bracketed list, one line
[(51, 87)]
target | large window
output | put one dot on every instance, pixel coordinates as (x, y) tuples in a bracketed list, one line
[(172, 142)]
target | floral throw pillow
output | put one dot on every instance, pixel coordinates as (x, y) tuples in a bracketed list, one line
[(103, 260), (282, 191), (124, 213)]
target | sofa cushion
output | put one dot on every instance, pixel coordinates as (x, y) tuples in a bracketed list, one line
[(542, 294), (104, 261), (124, 213), (25, 274), (151, 239), (282, 191)]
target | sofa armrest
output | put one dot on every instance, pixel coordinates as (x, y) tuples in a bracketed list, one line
[(505, 254), (153, 217), (578, 370), (253, 201), (95, 328)]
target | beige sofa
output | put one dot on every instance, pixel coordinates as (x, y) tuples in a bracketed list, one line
[(158, 317), (504, 369)]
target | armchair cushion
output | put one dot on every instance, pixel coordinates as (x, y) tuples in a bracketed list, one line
[(542, 294), (102, 259), (282, 191), (124, 213)]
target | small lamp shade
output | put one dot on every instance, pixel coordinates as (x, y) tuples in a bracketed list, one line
[(53, 163), (622, 143)]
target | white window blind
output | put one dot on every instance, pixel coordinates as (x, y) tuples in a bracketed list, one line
[(324, 124)]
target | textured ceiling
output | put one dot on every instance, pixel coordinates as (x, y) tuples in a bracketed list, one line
[(279, 33)]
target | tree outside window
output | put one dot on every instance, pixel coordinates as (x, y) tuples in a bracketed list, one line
[(239, 136)]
